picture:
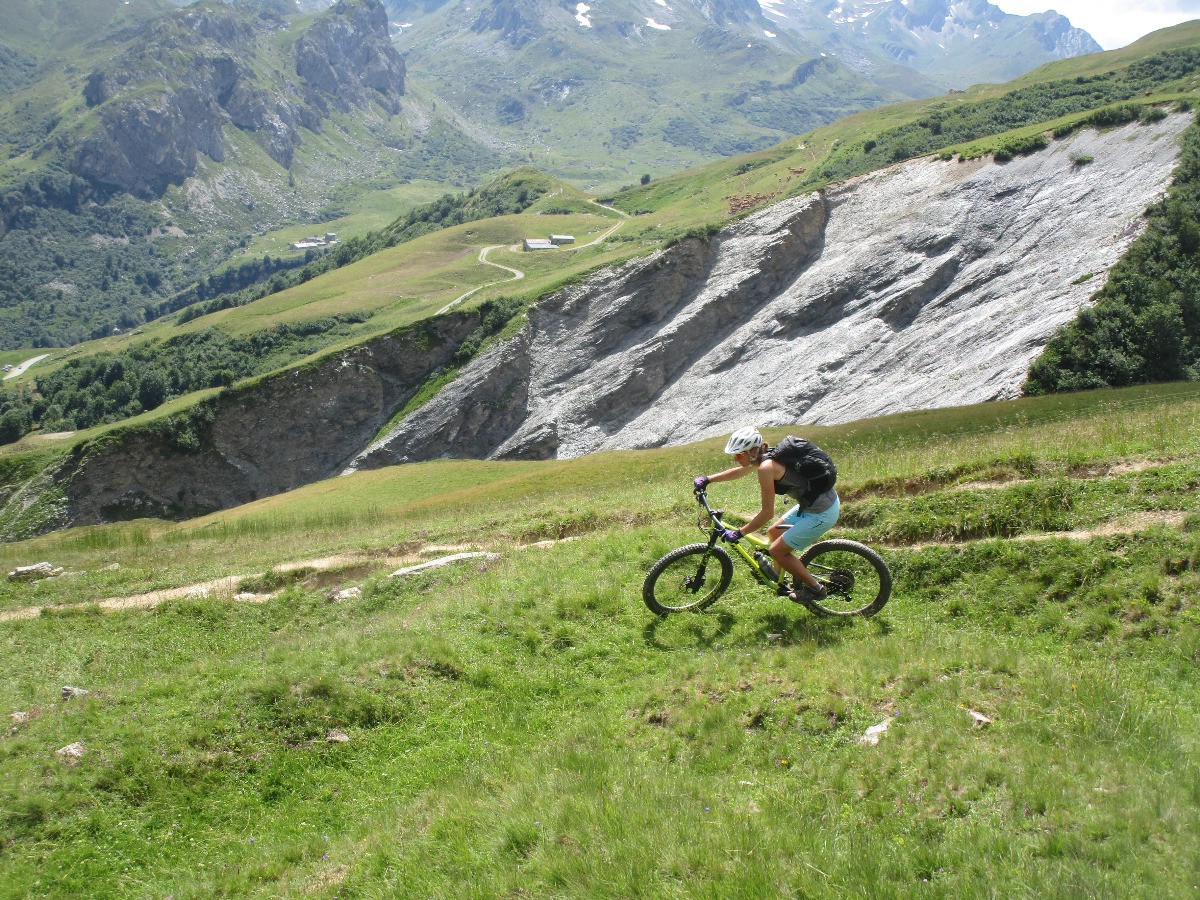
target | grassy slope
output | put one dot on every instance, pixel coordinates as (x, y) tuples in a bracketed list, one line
[(42, 29), (527, 726), (408, 282)]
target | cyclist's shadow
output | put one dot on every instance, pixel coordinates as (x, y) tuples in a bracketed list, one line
[(688, 632), (703, 630)]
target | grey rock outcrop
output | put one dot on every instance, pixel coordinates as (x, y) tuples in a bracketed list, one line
[(348, 58), (168, 97), (933, 283), (35, 572)]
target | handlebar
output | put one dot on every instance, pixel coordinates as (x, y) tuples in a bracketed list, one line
[(716, 516)]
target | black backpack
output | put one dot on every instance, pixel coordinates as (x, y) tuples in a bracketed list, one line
[(808, 470)]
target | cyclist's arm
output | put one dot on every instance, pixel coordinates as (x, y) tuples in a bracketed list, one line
[(766, 485), (731, 474)]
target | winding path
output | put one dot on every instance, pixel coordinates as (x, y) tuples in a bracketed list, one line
[(517, 273), (517, 276), (20, 370)]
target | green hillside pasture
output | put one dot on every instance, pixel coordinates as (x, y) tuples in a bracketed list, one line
[(400, 285), (411, 281), (372, 211), (703, 195), (526, 727), (1176, 37)]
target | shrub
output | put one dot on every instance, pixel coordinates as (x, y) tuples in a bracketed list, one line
[(1145, 324)]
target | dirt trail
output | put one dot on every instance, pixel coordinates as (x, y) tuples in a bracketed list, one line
[(1132, 524), (516, 273), (227, 587), (355, 565)]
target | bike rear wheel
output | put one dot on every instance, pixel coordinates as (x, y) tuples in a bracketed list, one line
[(683, 579), (857, 579)]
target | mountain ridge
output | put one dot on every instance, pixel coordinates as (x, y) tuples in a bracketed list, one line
[(190, 132)]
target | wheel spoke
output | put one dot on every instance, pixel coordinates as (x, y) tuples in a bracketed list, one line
[(690, 577), (856, 578)]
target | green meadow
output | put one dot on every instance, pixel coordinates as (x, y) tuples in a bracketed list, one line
[(523, 726)]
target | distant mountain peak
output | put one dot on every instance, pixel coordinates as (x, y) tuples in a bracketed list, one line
[(956, 42)]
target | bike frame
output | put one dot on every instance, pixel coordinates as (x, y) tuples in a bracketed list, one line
[(756, 542)]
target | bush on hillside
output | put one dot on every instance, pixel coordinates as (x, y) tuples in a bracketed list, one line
[(1145, 324)]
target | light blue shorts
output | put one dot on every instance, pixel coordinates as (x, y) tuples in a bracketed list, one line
[(803, 528)]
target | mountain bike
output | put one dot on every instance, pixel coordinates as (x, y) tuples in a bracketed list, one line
[(857, 580)]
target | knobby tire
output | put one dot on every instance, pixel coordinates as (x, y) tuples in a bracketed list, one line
[(674, 583), (856, 577)]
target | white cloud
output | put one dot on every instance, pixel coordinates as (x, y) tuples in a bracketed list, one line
[(1113, 23)]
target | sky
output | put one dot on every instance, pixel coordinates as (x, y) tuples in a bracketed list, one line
[(1113, 23)]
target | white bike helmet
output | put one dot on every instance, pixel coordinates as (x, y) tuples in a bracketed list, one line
[(743, 439)]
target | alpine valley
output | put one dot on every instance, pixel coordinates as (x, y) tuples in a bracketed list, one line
[(338, 570), (918, 255), (152, 156)]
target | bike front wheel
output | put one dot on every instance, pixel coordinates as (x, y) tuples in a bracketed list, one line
[(686, 579), (856, 578)]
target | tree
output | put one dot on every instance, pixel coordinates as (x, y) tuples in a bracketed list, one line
[(153, 390), (12, 426)]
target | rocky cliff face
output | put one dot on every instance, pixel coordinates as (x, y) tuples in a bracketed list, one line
[(168, 97), (349, 59), (287, 431), (929, 284)]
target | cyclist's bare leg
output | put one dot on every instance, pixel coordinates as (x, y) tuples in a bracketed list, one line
[(786, 558)]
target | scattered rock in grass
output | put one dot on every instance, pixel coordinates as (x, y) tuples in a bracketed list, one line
[(72, 753), (444, 561), (774, 637), (18, 719), (111, 567), (70, 692), (350, 593), (872, 735), (337, 736), (438, 549), (981, 721), (36, 572)]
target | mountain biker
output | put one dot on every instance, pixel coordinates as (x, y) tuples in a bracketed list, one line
[(816, 509)]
